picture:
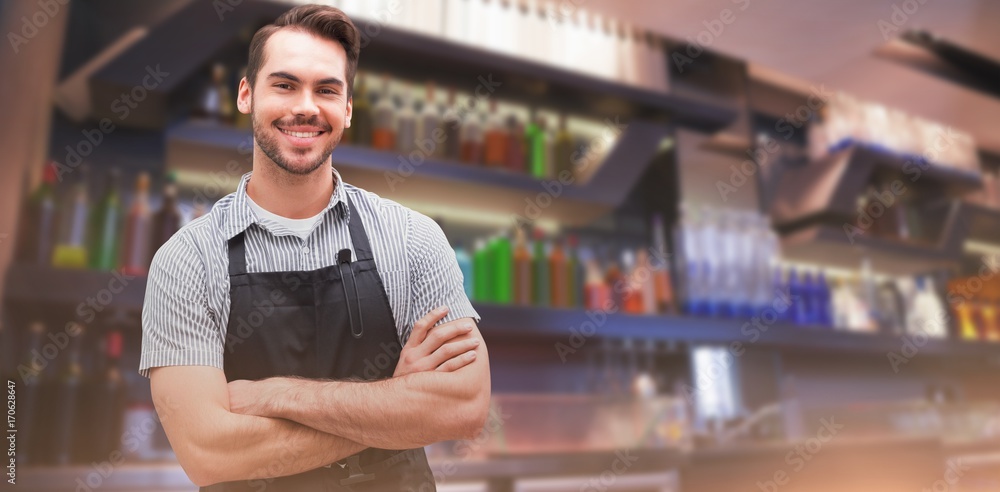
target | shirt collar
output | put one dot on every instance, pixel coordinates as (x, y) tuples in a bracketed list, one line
[(241, 216)]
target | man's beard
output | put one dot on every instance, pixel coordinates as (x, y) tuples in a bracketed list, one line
[(271, 148)]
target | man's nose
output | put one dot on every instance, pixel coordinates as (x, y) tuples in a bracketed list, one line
[(305, 105)]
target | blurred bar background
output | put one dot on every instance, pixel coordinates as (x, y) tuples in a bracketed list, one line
[(717, 245)]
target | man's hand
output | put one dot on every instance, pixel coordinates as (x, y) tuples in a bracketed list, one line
[(447, 347)]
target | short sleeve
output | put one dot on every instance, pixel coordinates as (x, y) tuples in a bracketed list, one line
[(178, 328), (435, 277)]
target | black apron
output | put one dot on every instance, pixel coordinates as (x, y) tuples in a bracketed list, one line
[(331, 323)]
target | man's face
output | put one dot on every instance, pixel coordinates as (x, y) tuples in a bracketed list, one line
[(299, 105)]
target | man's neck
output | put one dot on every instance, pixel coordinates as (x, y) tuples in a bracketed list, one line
[(287, 195)]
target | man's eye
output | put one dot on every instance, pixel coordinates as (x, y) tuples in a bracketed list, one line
[(328, 91), (283, 86)]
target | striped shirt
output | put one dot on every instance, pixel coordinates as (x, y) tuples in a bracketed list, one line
[(186, 308)]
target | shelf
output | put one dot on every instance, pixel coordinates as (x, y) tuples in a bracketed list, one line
[(42, 286), (980, 222), (831, 246), (184, 43), (832, 185), (206, 148), (500, 323)]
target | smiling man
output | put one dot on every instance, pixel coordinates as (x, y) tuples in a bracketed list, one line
[(308, 334)]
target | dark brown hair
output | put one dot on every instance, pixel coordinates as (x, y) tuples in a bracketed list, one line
[(319, 20)]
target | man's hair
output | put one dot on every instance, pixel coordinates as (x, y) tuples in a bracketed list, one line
[(319, 20)]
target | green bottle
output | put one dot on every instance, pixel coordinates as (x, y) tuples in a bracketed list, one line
[(105, 225), (480, 271), (537, 141), (503, 269)]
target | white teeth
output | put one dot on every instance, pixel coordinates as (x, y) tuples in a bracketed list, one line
[(301, 134)]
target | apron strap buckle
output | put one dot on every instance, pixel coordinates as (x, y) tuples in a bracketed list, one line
[(357, 474)]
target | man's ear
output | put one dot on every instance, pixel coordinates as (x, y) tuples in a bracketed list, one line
[(244, 97), (350, 110)]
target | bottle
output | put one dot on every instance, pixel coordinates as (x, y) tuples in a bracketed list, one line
[(645, 277), (632, 292), (660, 269), (559, 273), (541, 278), (452, 126), (503, 270), (536, 141), (926, 312), (37, 225), (516, 160), (472, 136), (523, 283), (406, 123), (823, 301), (384, 120), (28, 387), (466, 266), (713, 292), (103, 401), (597, 293), (800, 298), (575, 274), (495, 150), (135, 250), (71, 248), (966, 324), (167, 220), (67, 396), (614, 279), (360, 132), (481, 272), (106, 225), (562, 150), (988, 314), (429, 131), (217, 103)]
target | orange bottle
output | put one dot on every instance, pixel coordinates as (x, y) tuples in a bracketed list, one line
[(988, 313), (596, 291), (384, 120), (495, 153)]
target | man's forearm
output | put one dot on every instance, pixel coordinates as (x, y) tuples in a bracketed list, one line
[(400, 413), (245, 447)]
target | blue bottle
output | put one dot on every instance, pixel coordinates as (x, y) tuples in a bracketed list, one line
[(465, 264)]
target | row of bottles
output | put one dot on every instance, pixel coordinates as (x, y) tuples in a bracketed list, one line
[(726, 261), (71, 406), (420, 123), (562, 34), (64, 227), (847, 121), (558, 272)]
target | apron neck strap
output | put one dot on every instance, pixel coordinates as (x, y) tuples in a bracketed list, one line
[(238, 254), (362, 249)]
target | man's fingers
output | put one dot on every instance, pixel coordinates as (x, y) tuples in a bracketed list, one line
[(420, 328), (456, 363), (450, 350), (442, 334)]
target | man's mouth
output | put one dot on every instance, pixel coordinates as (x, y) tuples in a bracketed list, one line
[(300, 134)]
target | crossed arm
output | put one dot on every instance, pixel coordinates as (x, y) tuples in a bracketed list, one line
[(283, 426)]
